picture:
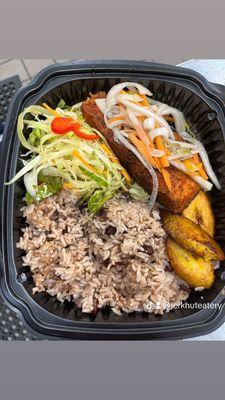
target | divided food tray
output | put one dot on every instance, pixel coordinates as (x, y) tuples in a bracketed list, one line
[(203, 105)]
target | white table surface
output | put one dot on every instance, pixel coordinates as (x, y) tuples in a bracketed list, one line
[(214, 71)]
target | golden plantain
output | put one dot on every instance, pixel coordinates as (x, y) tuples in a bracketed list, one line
[(193, 238), (200, 212), (191, 268)]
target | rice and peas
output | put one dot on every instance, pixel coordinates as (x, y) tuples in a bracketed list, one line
[(117, 258)]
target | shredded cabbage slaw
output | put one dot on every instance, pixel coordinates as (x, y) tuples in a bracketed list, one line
[(87, 167)]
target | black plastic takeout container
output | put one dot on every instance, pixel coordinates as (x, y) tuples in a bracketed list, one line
[(203, 105)]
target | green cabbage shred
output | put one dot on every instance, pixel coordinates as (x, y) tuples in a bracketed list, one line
[(52, 163)]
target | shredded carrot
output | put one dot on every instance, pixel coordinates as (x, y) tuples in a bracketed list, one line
[(143, 150), (193, 164), (203, 173), (168, 152), (179, 162), (53, 112), (201, 169), (191, 169), (193, 173), (141, 118), (115, 160), (188, 164), (144, 100), (160, 146), (178, 137), (196, 158), (142, 135), (68, 185), (150, 144), (164, 162), (167, 179), (77, 155), (114, 119)]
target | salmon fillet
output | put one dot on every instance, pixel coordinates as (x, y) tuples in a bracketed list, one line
[(184, 189)]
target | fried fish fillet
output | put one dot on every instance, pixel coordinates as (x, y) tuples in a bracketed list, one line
[(184, 189)]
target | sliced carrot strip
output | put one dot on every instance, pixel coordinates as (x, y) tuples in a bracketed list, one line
[(168, 152), (189, 167), (178, 137), (68, 185), (77, 155), (194, 168), (179, 162), (167, 179), (53, 112), (141, 118), (143, 150), (203, 173), (114, 119), (188, 164), (193, 173), (160, 146), (123, 91), (164, 162), (201, 169), (116, 161), (142, 135), (144, 100), (196, 158)]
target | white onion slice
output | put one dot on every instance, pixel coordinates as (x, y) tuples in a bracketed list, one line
[(163, 131), (206, 185), (149, 123), (111, 96), (147, 113), (208, 168), (30, 180), (157, 153), (183, 144), (101, 103), (204, 157), (75, 106), (52, 171), (117, 123), (118, 136), (178, 116), (133, 97), (31, 164)]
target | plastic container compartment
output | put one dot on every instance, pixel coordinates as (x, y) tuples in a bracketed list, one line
[(203, 104)]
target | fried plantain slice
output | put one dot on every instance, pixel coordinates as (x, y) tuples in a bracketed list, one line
[(193, 238), (200, 212), (193, 269)]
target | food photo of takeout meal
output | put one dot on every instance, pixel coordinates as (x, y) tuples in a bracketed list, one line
[(115, 186)]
